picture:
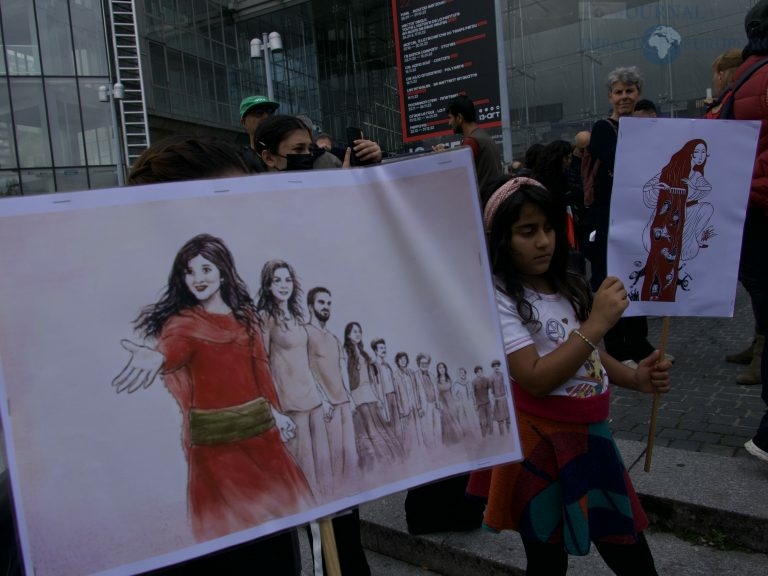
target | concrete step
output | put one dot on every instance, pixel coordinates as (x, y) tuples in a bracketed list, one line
[(703, 493), (380, 564), (482, 553), (387, 566), (724, 499)]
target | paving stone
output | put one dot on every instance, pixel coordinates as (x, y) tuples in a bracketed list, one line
[(705, 401), (674, 434), (704, 437)]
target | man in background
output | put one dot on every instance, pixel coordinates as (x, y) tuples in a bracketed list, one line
[(253, 111), (645, 109), (462, 118)]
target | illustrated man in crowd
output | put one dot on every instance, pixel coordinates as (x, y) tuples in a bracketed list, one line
[(386, 384), (430, 403), (482, 389), (325, 355), (500, 404)]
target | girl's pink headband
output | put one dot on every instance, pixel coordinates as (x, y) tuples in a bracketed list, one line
[(504, 192)]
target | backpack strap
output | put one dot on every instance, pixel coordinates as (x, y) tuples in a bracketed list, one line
[(726, 111)]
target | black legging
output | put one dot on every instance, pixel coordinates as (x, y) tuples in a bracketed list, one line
[(623, 559)]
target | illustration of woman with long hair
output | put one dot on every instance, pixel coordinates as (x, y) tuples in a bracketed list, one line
[(452, 431), (212, 359), (375, 443), (679, 226), (286, 341)]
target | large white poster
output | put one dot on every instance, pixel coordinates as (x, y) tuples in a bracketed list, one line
[(677, 210), (168, 388)]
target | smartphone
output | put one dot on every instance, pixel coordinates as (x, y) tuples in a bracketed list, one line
[(352, 135)]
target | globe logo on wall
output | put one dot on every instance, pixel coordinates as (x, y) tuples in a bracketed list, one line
[(661, 44)]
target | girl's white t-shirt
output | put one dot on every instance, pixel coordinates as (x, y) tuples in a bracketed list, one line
[(557, 320)]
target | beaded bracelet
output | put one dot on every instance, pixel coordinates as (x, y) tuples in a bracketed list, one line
[(586, 340)]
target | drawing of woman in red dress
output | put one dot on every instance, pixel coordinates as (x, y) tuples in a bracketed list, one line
[(679, 226), (211, 356)]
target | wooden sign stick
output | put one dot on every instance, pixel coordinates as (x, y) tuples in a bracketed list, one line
[(328, 541), (655, 408)]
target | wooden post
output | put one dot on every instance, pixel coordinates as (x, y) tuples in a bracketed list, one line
[(328, 541), (655, 407)]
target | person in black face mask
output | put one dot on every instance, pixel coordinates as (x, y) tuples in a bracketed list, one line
[(284, 143)]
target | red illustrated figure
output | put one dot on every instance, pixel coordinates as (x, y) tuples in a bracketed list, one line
[(679, 226), (210, 354)]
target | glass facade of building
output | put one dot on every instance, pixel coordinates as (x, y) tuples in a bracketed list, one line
[(559, 54), (55, 135), (337, 66), (200, 66)]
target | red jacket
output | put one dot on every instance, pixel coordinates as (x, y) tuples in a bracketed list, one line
[(751, 103)]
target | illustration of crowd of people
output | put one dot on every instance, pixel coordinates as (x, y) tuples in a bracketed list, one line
[(342, 409)]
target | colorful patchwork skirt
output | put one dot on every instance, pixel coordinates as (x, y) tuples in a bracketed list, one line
[(571, 489)]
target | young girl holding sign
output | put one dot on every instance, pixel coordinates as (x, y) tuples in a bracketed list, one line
[(572, 488)]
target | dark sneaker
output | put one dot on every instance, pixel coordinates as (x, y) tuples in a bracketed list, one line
[(756, 450)]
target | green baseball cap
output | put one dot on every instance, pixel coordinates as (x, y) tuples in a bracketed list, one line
[(254, 101)]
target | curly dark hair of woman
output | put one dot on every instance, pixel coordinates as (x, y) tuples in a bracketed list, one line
[(177, 296), (187, 158), (564, 281), (267, 302)]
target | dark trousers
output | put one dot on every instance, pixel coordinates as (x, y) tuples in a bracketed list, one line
[(442, 507), (623, 559), (628, 339), (276, 555), (346, 531), (10, 555), (753, 274)]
